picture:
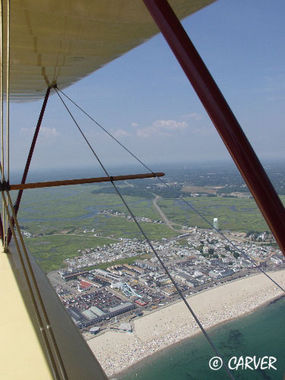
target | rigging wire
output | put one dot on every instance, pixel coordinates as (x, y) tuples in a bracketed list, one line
[(181, 199), (8, 89), (45, 327), (179, 291), (2, 90), (5, 125), (2, 115), (234, 246), (107, 132)]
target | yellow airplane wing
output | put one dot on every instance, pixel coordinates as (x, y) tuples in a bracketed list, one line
[(64, 40)]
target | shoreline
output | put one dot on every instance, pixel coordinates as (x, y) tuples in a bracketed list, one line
[(142, 362), (162, 328)]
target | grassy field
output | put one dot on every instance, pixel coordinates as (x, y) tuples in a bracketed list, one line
[(236, 214), (50, 210), (57, 218), (50, 251)]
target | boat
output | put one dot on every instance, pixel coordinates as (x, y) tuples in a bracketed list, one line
[(48, 46)]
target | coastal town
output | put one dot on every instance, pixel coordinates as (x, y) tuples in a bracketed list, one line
[(108, 287), (113, 286)]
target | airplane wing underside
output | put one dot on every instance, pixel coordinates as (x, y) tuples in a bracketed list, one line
[(63, 41)]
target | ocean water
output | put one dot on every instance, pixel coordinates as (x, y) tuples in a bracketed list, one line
[(259, 334)]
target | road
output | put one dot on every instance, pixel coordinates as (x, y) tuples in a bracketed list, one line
[(164, 217)]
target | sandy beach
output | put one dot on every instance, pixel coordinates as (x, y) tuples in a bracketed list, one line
[(117, 350)]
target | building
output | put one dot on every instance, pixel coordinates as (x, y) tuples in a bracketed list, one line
[(120, 309)]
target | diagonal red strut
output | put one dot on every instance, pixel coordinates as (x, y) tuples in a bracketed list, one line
[(29, 158), (222, 117)]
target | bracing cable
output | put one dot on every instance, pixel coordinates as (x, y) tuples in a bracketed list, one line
[(2, 115), (107, 132), (45, 327), (148, 240), (8, 89), (5, 158), (53, 353), (2, 88), (245, 255), (181, 199), (7, 120)]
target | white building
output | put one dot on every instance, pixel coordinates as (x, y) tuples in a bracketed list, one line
[(216, 223)]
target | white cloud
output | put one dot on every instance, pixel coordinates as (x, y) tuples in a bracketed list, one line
[(26, 131), (193, 115), (170, 125), (162, 128), (45, 132), (204, 131), (120, 133), (48, 132), (145, 132), (46, 136), (134, 124)]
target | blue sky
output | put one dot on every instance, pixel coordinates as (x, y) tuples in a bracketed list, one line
[(145, 99)]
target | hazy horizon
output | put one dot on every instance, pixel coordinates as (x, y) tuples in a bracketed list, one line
[(144, 99)]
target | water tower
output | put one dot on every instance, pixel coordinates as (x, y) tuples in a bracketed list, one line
[(216, 223)]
